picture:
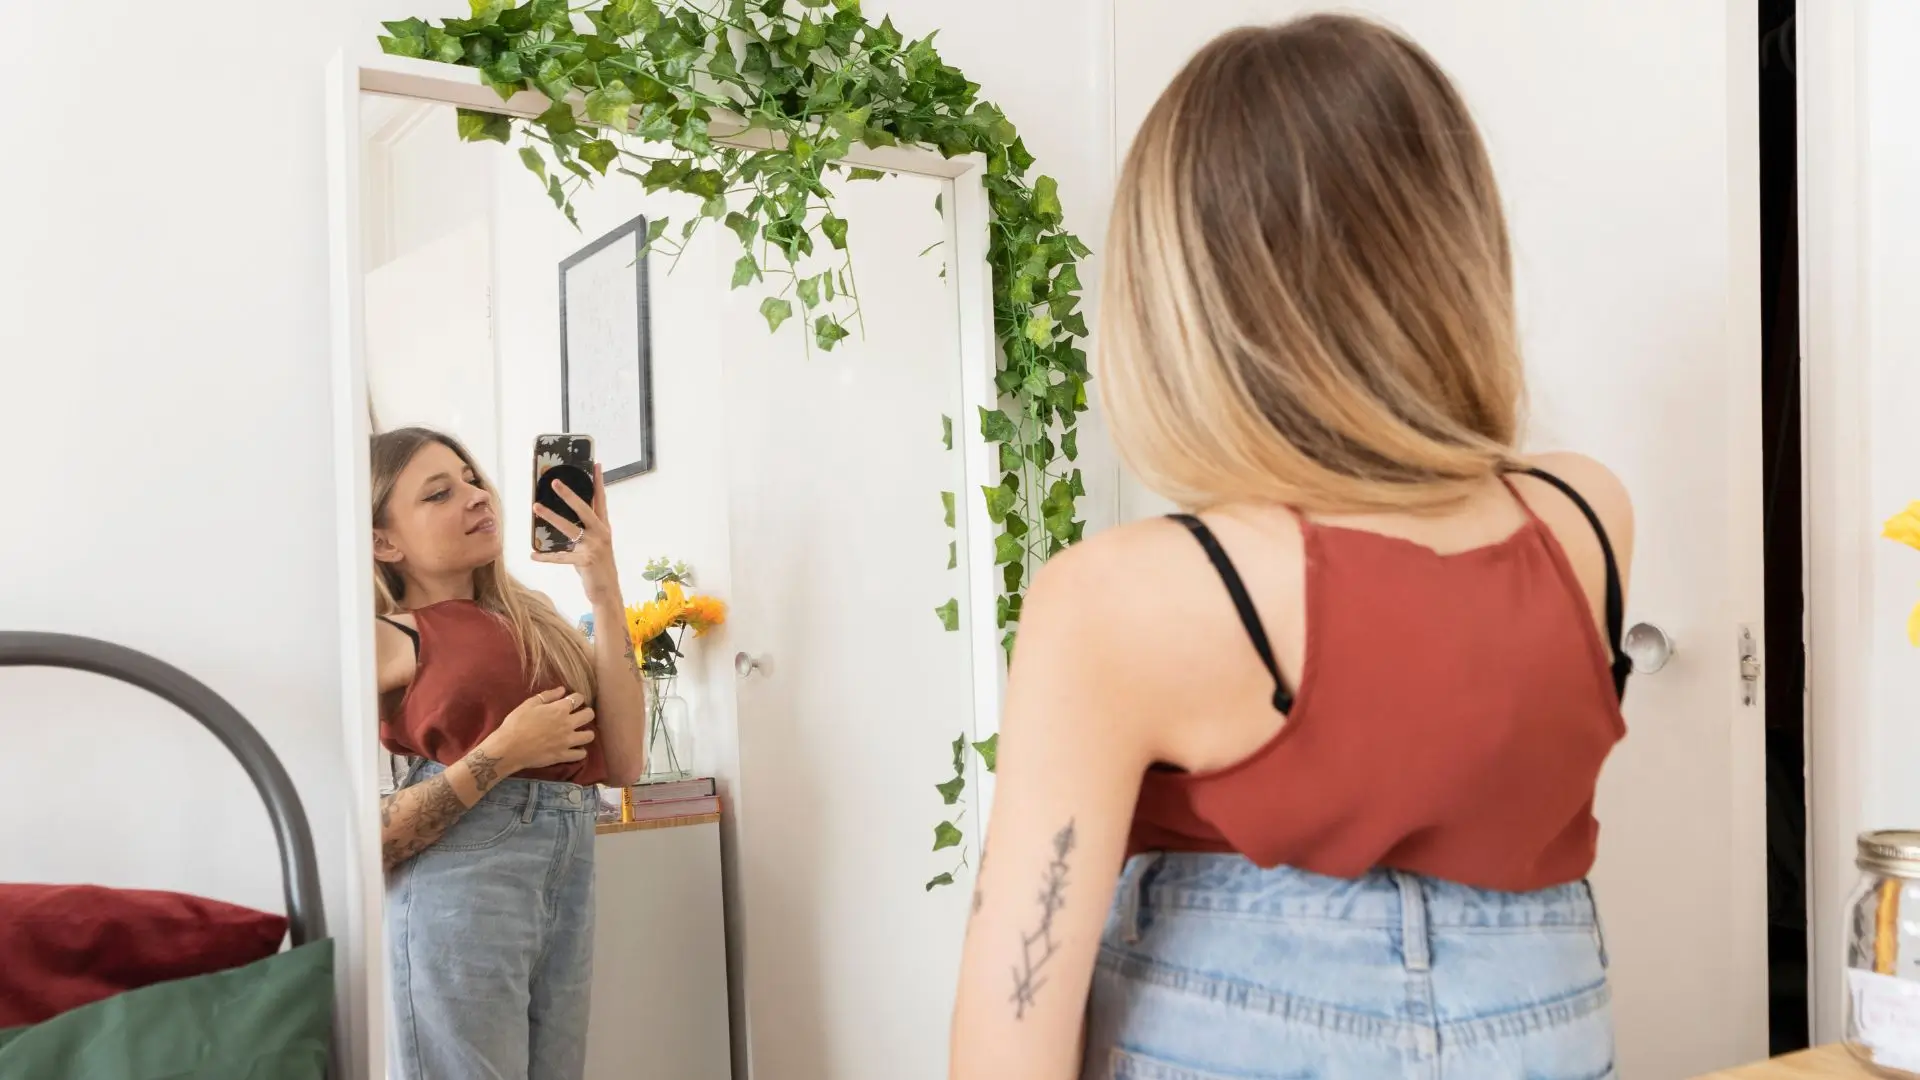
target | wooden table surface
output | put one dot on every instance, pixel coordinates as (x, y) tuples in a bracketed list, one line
[(1826, 1063)]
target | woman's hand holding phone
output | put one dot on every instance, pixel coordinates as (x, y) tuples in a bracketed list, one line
[(592, 551)]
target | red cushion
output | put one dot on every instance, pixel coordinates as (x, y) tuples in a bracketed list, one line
[(63, 946)]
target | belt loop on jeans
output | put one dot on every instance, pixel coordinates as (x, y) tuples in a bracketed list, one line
[(533, 800), (1599, 934), (1132, 920), (1415, 948)]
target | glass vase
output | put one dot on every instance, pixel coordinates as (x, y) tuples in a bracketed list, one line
[(667, 733)]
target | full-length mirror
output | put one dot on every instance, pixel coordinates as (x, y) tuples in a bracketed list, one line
[(672, 632)]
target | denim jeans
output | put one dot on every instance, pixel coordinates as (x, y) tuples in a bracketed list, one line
[(490, 939), (1214, 969)]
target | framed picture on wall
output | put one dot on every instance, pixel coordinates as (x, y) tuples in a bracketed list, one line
[(606, 351)]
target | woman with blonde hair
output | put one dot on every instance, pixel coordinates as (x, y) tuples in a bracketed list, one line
[(509, 717), (1337, 822)]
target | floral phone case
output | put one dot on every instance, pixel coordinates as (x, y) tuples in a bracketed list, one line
[(568, 459)]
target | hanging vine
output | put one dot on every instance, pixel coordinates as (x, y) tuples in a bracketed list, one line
[(633, 86)]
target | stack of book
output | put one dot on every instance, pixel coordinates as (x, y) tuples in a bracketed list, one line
[(663, 800)]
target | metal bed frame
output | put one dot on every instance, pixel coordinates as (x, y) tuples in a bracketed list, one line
[(299, 867)]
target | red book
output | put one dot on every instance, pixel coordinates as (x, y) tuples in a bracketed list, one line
[(660, 810)]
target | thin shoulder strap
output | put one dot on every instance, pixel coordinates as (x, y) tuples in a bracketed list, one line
[(1616, 603), (412, 634), (1243, 603)]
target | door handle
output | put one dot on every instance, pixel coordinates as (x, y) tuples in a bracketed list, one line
[(1648, 646), (744, 665)]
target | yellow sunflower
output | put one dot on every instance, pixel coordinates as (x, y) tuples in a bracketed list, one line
[(1905, 528), (703, 613)]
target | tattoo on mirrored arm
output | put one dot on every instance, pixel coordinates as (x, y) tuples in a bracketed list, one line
[(413, 818), (1039, 946)]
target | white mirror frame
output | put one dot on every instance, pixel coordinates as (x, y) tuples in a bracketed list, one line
[(359, 932)]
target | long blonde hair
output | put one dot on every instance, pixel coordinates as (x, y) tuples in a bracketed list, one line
[(550, 650), (1308, 296)]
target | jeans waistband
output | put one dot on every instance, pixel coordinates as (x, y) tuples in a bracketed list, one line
[(514, 793), (1412, 904)]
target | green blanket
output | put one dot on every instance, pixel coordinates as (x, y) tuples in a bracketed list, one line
[(266, 1021)]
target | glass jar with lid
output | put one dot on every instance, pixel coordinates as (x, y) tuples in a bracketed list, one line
[(1883, 955)]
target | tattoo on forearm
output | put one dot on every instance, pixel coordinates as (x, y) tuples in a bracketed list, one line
[(979, 897), (1038, 947), (633, 661), (434, 807), (485, 769)]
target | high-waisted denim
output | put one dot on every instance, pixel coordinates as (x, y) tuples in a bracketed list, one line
[(490, 939), (1214, 969)]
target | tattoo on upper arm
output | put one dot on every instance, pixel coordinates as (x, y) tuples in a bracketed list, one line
[(979, 895), (1038, 947)]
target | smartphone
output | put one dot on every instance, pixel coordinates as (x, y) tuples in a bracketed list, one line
[(568, 459)]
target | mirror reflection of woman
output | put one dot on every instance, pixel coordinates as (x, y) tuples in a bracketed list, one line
[(509, 716), (1301, 783)]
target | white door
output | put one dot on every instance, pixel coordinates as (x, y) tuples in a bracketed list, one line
[(840, 560), (1625, 136)]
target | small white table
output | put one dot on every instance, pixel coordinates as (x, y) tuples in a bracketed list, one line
[(659, 953)]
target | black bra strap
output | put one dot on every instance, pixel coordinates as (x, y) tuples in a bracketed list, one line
[(1616, 603), (1243, 603), (412, 634)]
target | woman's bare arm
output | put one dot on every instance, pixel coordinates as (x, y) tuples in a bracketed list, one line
[(1071, 756)]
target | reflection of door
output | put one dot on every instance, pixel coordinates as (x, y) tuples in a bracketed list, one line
[(840, 558), (430, 341), (1625, 136)]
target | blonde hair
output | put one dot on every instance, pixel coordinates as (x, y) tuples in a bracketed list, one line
[(550, 650), (1308, 296)]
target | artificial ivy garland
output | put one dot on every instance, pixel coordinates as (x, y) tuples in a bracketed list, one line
[(646, 75)]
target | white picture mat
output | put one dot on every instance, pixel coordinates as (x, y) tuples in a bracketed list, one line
[(604, 353)]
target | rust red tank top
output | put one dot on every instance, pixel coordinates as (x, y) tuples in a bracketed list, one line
[(1451, 720), (467, 677)]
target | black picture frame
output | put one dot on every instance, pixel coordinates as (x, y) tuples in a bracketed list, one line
[(635, 233)]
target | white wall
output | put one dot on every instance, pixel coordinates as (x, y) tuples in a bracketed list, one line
[(164, 347)]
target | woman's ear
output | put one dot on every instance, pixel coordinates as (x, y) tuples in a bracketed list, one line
[(383, 549)]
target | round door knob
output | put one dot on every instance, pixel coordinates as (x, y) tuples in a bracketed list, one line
[(1648, 646), (744, 665)]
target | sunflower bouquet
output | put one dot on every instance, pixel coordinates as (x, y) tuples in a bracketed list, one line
[(659, 627)]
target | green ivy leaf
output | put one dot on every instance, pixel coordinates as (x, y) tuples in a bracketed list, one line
[(827, 332), (939, 880), (808, 290), (1006, 644), (1000, 500), (1013, 575), (949, 613), (1040, 328), (533, 161), (1070, 444), (946, 431), (950, 791), (836, 230), (1046, 199), (743, 226), (953, 554), (407, 37), (1010, 457), (745, 271), (775, 311), (945, 835), (997, 426), (946, 502), (600, 153), (989, 748), (477, 126), (865, 174), (557, 193), (611, 105), (1007, 549), (654, 229)]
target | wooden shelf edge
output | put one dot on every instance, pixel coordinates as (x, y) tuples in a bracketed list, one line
[(607, 827)]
